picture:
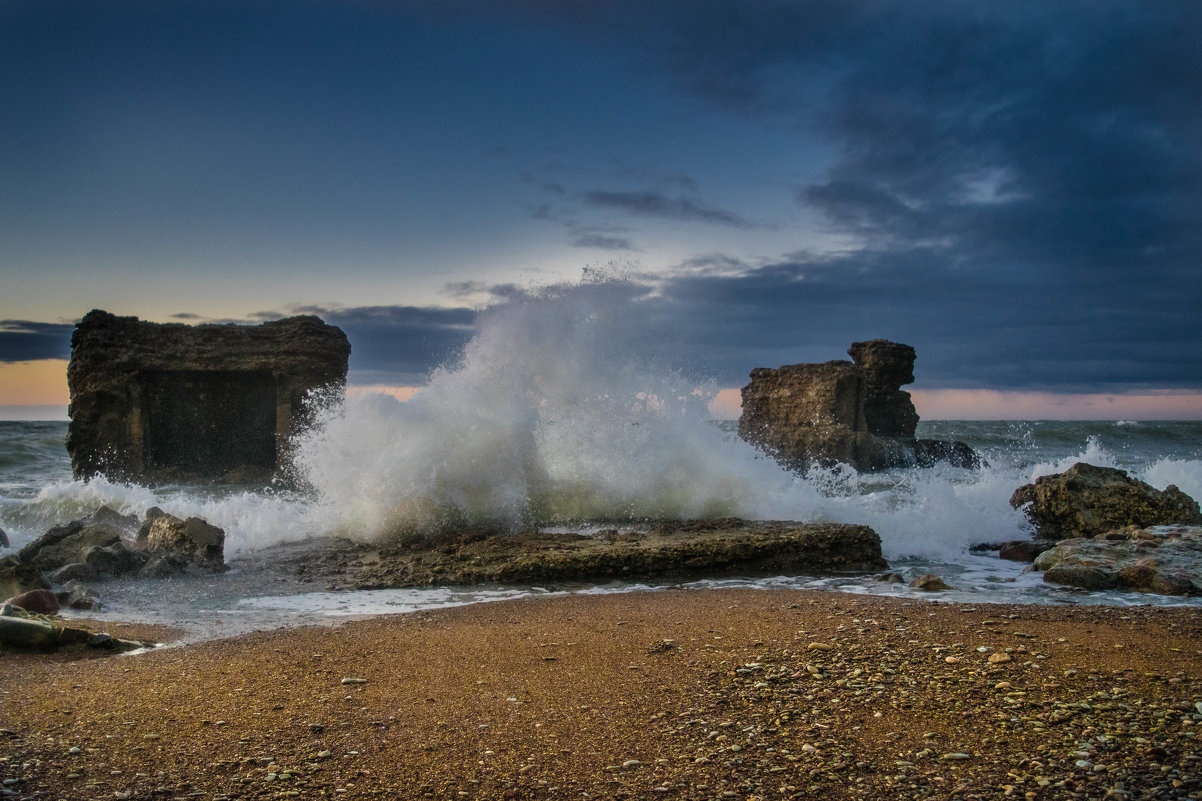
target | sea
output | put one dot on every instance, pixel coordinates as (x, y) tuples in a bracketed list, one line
[(556, 415)]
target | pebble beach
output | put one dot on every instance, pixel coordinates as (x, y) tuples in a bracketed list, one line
[(739, 694)]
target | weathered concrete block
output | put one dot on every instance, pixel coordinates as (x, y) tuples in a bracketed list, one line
[(156, 401)]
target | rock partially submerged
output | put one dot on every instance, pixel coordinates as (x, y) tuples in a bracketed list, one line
[(1164, 559), (1087, 500), (840, 411), (688, 548)]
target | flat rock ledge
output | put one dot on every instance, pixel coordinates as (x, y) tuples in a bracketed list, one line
[(667, 549)]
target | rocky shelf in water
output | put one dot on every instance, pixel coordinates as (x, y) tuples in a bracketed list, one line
[(662, 549)]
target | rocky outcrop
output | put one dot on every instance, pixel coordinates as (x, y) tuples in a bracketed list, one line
[(677, 549), (175, 544), (3, 539), (1165, 560), (103, 545), (1086, 500), (839, 411), (174, 402)]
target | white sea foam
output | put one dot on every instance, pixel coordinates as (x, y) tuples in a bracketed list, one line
[(557, 411)]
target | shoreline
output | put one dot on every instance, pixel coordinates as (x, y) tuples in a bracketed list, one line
[(674, 693)]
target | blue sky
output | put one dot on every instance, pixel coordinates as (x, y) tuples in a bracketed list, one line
[(1015, 188)]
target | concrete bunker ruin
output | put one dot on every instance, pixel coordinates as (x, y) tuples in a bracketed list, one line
[(169, 402)]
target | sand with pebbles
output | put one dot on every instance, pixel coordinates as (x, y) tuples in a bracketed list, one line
[(681, 694)]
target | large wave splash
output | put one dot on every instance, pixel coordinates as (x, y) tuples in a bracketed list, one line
[(558, 410)]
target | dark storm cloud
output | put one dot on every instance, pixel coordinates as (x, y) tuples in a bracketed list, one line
[(603, 242), (1021, 181), (659, 205), (23, 340)]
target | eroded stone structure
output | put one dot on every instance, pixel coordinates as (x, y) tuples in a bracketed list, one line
[(153, 401), (841, 411)]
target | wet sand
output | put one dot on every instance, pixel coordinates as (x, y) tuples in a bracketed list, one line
[(681, 694)]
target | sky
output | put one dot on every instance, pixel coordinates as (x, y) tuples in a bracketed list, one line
[(1012, 187)]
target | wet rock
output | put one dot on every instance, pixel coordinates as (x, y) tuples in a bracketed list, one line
[(670, 548), (77, 596), (3, 539), (38, 602), (62, 545), (1022, 550), (930, 583), (17, 577), (117, 559), (170, 542), (1086, 500), (840, 411), (76, 571), (19, 632), (1166, 560)]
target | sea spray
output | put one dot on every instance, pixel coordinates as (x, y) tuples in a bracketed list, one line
[(558, 410)]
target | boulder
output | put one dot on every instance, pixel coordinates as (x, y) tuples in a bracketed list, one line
[(3, 539), (62, 545), (1086, 500), (1166, 560), (117, 559), (930, 583), (173, 544), (17, 577), (1022, 550), (76, 571), (38, 602), (76, 596)]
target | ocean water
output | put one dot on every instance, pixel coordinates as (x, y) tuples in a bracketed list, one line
[(560, 414)]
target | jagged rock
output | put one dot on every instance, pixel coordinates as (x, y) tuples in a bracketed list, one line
[(1086, 500), (1166, 560), (174, 544), (3, 539), (17, 577), (62, 545), (839, 411), (169, 402), (38, 602), (930, 583)]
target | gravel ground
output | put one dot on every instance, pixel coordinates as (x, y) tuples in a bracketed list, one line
[(683, 694)]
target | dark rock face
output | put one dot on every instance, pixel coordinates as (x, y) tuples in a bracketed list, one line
[(840, 411), (169, 402), (1085, 501), (3, 539), (888, 411)]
